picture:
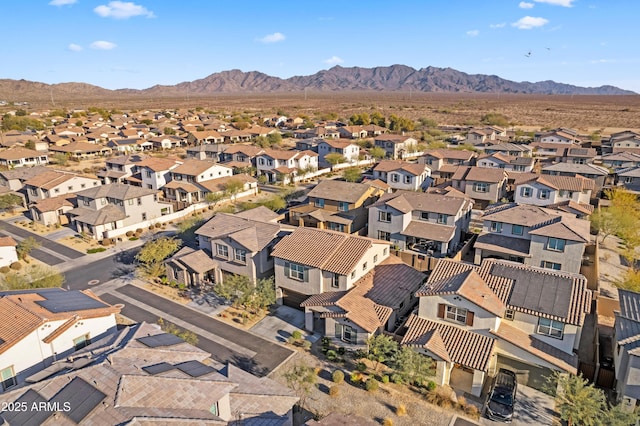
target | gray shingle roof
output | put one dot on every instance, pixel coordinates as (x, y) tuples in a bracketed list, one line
[(119, 191)]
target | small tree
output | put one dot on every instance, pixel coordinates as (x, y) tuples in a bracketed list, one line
[(264, 294), (188, 336), (10, 202), (352, 174), (377, 152), (213, 198), (235, 288), (233, 187), (153, 253), (25, 247), (169, 131), (301, 378), (577, 401), (412, 365), (334, 158), (381, 349)]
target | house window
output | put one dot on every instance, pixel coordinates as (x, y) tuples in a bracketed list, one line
[(543, 194), (526, 192), (81, 342), (69, 188), (481, 187), (550, 327), (353, 274), (139, 200), (83, 185), (384, 251), (394, 178), (383, 235), (148, 173), (375, 258), (346, 333), (424, 215), (131, 202), (8, 378), (517, 229), (496, 226), (509, 314), (335, 280), (407, 179), (297, 271), (240, 255), (384, 216), (550, 265), (261, 161), (343, 206), (319, 202), (335, 226), (456, 314), (442, 218), (556, 244), (364, 266), (144, 216), (222, 250)]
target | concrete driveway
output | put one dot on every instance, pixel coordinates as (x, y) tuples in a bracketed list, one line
[(532, 408), (278, 326)]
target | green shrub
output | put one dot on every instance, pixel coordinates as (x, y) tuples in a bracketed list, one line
[(297, 334), (326, 341), (355, 377), (341, 350), (16, 266), (134, 239), (334, 390), (431, 386), (337, 376), (384, 379), (361, 366), (5, 269), (306, 344), (371, 385), (96, 250), (397, 379), (332, 355)]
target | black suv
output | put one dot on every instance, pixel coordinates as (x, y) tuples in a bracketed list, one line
[(502, 396)]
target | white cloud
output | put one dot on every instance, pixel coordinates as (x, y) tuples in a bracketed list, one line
[(473, 33), (564, 3), (62, 2), (122, 10), (272, 38), (74, 47), (500, 25), (603, 61), (334, 60), (102, 45), (525, 5), (529, 22)]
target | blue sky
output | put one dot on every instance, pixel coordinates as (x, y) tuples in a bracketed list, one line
[(120, 44)]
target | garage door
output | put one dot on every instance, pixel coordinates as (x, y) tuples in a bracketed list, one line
[(293, 299), (527, 374)]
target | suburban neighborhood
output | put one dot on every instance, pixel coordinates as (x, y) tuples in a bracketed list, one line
[(174, 265)]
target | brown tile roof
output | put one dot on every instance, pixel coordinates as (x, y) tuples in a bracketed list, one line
[(248, 150), (543, 350), (454, 154), (252, 234), (54, 203), (571, 206), (7, 242), (392, 165), (472, 350), (185, 186), (119, 191), (18, 153), (218, 185), (80, 147), (280, 155), (159, 164), (327, 250), (408, 201), (195, 260), (193, 167), (567, 183), (337, 190), (479, 174), (430, 231), (338, 143), (503, 244), (107, 214)]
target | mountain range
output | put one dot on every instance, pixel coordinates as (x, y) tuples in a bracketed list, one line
[(392, 78)]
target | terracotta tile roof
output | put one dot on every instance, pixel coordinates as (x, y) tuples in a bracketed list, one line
[(571, 206), (581, 169), (479, 174), (430, 231), (393, 138), (185, 186), (159, 164), (327, 250), (472, 350), (248, 150), (338, 143), (194, 260), (392, 165), (7, 242), (219, 184), (54, 203), (18, 153), (534, 346), (337, 190), (280, 155), (193, 167), (408, 201), (567, 183)]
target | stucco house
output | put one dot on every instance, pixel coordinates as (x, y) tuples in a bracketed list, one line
[(432, 224), (8, 253), (533, 235), (546, 190), (507, 162), (185, 182), (484, 185), (283, 166), (40, 326), (626, 355), (54, 183), (592, 171), (396, 146), (22, 157), (155, 172), (400, 174), (474, 319), (348, 149)]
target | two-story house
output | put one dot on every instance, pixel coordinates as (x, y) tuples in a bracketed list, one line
[(155, 172), (592, 171), (507, 162), (426, 223), (210, 152), (53, 183), (473, 320), (241, 156), (396, 146), (436, 159), (621, 160), (484, 185), (348, 149), (576, 155), (241, 243), (40, 326), (312, 261), (558, 136), (626, 355), (533, 235), (283, 166), (187, 178), (511, 149), (204, 137), (115, 206), (627, 141), (400, 174), (336, 205), (546, 190), (352, 132), (119, 168), (629, 178), (377, 302)]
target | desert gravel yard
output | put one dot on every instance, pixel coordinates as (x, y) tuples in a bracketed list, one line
[(353, 400)]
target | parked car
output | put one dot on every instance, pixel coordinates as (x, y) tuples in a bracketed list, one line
[(502, 396)]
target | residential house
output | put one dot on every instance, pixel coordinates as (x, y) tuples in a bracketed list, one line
[(511, 149), (484, 185), (155, 172), (285, 165), (621, 160), (545, 190), (400, 174), (8, 253), (436, 159), (350, 151), (308, 144), (166, 142), (204, 137), (312, 261), (374, 130), (319, 132), (426, 223), (186, 180), (626, 355), (576, 155), (396, 146), (241, 244), (629, 179), (13, 180), (191, 268), (598, 173), (480, 136), (130, 145), (336, 205), (53, 183), (119, 168), (377, 302), (241, 156), (627, 141), (558, 136), (473, 320), (22, 157), (142, 374), (533, 235), (81, 150), (210, 152), (507, 162), (52, 211), (115, 206), (40, 326), (352, 132)]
